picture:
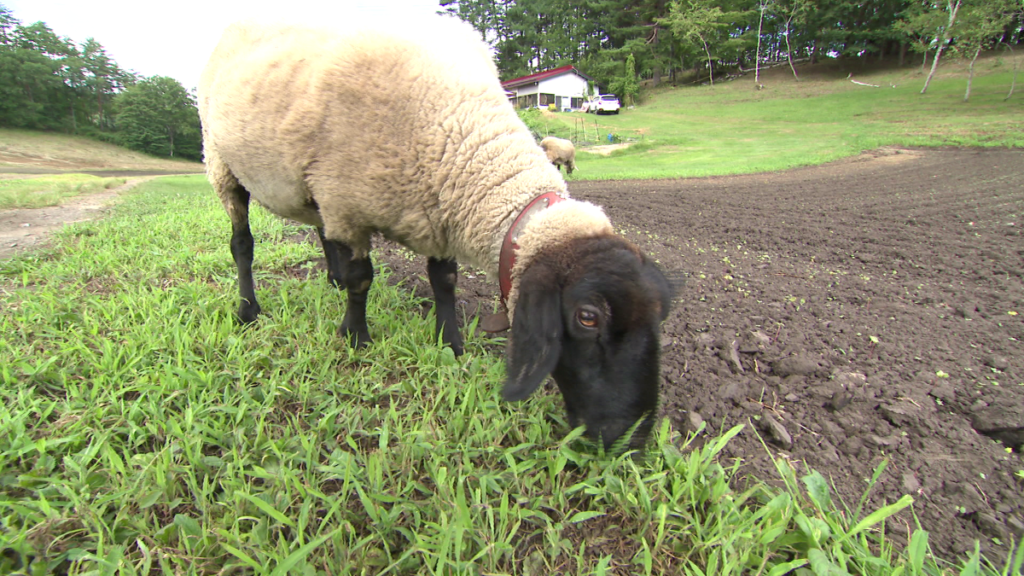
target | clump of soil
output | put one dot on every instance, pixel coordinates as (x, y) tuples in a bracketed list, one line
[(847, 314)]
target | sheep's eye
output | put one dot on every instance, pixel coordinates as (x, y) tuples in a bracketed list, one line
[(586, 318)]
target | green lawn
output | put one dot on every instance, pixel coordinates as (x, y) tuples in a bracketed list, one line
[(731, 128), (142, 431)]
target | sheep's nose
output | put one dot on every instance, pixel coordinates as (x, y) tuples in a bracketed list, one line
[(612, 434)]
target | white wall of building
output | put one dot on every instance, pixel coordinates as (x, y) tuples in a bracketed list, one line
[(528, 89), (564, 87)]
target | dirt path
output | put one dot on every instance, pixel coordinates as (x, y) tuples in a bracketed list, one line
[(852, 313), (28, 228)]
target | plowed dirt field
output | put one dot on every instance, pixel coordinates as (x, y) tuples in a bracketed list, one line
[(866, 310)]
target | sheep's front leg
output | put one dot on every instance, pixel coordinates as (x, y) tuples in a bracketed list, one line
[(355, 275), (236, 201), (443, 275)]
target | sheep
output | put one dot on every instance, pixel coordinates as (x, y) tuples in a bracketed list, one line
[(560, 152), (410, 135)]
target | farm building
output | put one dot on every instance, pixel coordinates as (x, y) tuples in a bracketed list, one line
[(565, 87)]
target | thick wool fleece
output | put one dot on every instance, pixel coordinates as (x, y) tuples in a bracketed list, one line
[(559, 150), (404, 133), (556, 225)]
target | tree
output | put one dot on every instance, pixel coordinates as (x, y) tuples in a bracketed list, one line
[(33, 64), (30, 86), (103, 79), (792, 11), (695, 21), (626, 87), (921, 25), (158, 116), (981, 24), (952, 8), (7, 25), (762, 5)]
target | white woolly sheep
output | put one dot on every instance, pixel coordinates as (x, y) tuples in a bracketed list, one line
[(560, 152), (410, 135)]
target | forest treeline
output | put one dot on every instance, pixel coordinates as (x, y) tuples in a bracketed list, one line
[(618, 42), (48, 82)]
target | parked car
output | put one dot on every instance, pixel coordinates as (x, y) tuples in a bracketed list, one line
[(604, 104)]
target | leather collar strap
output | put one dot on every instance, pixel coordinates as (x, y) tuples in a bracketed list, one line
[(507, 257)]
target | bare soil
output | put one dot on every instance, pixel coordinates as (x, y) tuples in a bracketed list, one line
[(848, 314)]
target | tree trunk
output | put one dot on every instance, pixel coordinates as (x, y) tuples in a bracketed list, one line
[(757, 54), (789, 51), (970, 73), (1013, 81), (671, 68), (935, 64), (903, 53), (953, 9), (711, 70)]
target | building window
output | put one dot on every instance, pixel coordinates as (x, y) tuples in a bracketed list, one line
[(527, 101), (546, 99)]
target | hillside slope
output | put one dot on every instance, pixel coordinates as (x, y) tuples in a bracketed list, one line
[(31, 152)]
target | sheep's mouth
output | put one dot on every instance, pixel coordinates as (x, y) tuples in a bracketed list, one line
[(621, 435)]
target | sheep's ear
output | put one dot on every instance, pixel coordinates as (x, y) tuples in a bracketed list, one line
[(535, 342), (667, 285)]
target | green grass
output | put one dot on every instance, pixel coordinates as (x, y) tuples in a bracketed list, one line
[(50, 190), (731, 128), (142, 431)]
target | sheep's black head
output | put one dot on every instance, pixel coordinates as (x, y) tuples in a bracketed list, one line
[(589, 314)]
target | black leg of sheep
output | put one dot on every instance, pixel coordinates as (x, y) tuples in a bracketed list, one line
[(358, 278), (241, 250), (355, 275), (443, 275), (336, 263)]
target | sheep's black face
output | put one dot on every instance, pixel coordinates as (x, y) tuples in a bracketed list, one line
[(589, 315)]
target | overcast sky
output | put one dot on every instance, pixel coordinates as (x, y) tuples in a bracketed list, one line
[(174, 38)]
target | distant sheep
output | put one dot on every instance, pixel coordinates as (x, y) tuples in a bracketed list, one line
[(411, 135), (560, 152)]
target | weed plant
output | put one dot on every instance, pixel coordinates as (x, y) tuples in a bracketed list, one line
[(142, 431)]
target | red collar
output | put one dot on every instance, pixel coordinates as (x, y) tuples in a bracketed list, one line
[(507, 257)]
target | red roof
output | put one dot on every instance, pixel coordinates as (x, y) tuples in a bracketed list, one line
[(538, 76)]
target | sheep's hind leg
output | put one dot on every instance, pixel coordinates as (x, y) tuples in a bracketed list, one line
[(354, 275), (443, 275), (236, 201)]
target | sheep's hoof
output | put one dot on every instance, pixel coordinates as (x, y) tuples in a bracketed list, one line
[(247, 313), (360, 338), (457, 348)]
